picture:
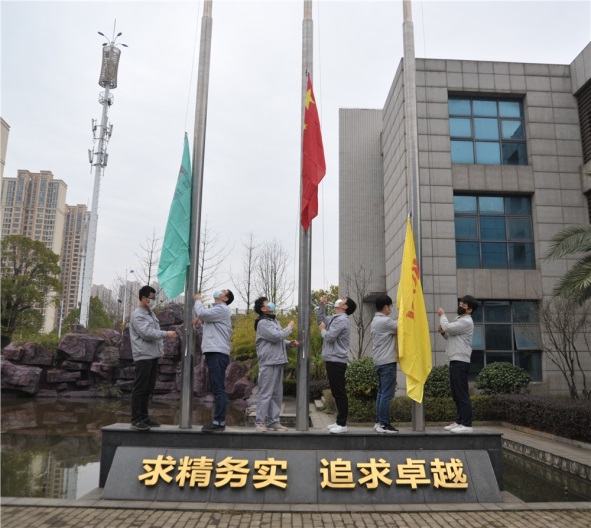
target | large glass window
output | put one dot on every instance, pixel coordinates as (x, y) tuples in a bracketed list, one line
[(487, 131), (507, 331), (494, 232)]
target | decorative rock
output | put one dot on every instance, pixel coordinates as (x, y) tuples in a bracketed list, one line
[(110, 355), (14, 352), (125, 345), (102, 370), (61, 376), (81, 347), (165, 386), (127, 373), (111, 337), (241, 389), (74, 365), (172, 314), (19, 378), (35, 354)]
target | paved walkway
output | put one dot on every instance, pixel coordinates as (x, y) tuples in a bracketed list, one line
[(93, 511), (183, 517)]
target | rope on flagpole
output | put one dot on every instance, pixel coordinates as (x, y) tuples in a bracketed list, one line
[(323, 223), (192, 63)]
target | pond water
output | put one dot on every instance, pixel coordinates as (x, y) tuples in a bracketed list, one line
[(51, 449)]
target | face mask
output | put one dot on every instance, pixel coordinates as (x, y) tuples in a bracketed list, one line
[(461, 311), (151, 303), (217, 294), (271, 306)]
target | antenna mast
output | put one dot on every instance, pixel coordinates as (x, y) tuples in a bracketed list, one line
[(98, 159)]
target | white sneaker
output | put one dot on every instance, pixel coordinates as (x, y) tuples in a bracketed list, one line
[(260, 428), (376, 425), (337, 429), (461, 429), (452, 426), (331, 426)]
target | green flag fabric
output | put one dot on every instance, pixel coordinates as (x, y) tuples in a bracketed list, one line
[(175, 258)]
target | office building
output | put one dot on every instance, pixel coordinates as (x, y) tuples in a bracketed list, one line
[(503, 153)]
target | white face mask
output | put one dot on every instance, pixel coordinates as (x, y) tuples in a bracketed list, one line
[(152, 303)]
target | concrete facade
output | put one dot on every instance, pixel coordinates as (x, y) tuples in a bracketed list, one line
[(553, 178)]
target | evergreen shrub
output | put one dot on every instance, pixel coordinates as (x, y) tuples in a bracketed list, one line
[(558, 416), (361, 379), (437, 384), (503, 378)]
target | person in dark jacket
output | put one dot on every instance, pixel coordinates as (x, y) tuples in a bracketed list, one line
[(271, 345)]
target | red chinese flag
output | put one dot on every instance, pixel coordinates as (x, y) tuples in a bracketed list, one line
[(313, 164)]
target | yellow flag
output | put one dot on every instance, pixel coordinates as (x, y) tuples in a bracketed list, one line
[(414, 341)]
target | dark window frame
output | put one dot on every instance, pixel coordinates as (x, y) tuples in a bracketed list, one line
[(508, 242), (486, 355), (473, 140)]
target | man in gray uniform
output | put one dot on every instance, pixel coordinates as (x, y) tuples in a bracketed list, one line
[(336, 338), (215, 344), (458, 351), (385, 357), (271, 345), (146, 347)]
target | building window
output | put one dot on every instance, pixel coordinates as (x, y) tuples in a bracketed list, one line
[(507, 331), (494, 232), (487, 131)]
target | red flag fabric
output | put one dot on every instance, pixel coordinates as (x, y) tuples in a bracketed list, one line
[(313, 164)]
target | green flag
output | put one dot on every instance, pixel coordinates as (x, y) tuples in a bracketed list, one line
[(175, 257)]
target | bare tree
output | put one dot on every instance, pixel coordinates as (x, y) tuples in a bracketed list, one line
[(211, 257), (358, 287), (244, 282), (272, 273), (566, 336), (149, 257)]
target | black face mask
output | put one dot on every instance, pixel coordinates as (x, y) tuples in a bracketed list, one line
[(461, 311)]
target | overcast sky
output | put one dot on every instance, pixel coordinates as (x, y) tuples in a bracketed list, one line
[(51, 55)]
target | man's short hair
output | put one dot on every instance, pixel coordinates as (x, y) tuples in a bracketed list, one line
[(383, 300), (351, 306), (145, 291), (258, 305), (470, 301), (230, 297)]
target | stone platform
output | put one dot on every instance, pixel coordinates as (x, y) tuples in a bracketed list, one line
[(322, 467)]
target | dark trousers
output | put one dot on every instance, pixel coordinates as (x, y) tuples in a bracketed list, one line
[(458, 381), (146, 372), (217, 363), (336, 379)]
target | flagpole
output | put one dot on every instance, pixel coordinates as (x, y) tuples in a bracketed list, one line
[(186, 404), (305, 251), (412, 159)]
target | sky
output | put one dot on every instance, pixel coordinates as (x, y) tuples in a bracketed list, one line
[(50, 63)]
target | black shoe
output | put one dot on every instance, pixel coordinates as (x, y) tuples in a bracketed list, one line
[(386, 428), (213, 428), (151, 423), (138, 425)]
